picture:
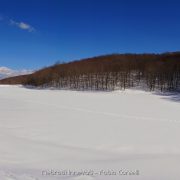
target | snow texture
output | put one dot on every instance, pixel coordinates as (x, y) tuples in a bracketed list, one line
[(56, 131)]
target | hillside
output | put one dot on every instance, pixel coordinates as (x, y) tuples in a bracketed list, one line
[(109, 72)]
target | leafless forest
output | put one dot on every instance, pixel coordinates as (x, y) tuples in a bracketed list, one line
[(110, 72)]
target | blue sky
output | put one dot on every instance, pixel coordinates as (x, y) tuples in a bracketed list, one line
[(37, 33)]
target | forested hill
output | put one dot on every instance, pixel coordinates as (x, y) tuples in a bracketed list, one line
[(109, 72)]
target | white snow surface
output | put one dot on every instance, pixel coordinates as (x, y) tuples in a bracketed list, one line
[(62, 131)]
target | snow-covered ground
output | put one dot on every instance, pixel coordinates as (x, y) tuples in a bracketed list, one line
[(107, 134)]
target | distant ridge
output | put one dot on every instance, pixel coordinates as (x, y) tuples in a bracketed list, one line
[(7, 72)]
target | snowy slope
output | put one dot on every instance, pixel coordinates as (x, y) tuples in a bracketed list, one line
[(7, 72), (43, 130)]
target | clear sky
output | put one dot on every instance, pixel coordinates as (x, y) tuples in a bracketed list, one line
[(37, 33)]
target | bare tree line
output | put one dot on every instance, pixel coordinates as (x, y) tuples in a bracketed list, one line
[(112, 72)]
